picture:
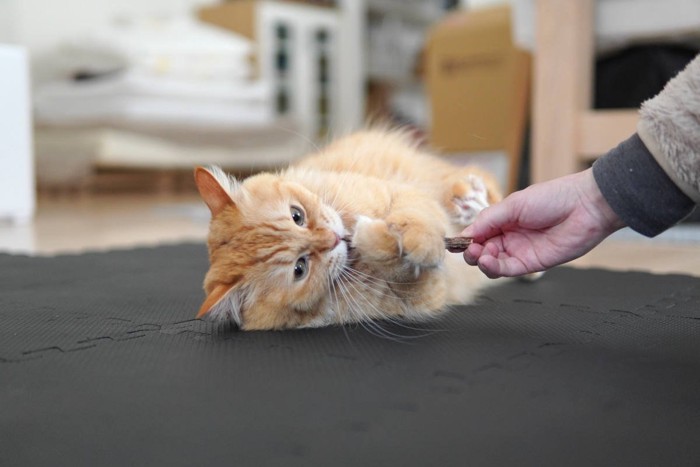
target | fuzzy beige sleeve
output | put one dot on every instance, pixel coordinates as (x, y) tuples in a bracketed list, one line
[(670, 128)]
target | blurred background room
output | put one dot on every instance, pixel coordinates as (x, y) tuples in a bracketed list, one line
[(106, 106)]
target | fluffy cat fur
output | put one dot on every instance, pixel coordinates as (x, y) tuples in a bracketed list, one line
[(351, 233)]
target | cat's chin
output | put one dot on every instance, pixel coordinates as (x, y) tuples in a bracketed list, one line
[(339, 261)]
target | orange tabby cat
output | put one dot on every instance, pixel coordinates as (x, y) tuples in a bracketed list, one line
[(352, 233)]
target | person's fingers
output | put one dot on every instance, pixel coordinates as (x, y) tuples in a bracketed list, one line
[(489, 262), (495, 262), (508, 266), (489, 266), (492, 249), (472, 253), (468, 231), (490, 221), (475, 250)]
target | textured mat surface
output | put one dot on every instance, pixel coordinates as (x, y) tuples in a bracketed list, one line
[(102, 364)]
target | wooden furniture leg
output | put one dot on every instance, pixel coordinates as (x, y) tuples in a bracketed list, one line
[(566, 132), (562, 84)]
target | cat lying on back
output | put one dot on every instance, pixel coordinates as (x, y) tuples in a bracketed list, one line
[(352, 233)]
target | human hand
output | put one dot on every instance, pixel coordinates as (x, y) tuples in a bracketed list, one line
[(542, 226)]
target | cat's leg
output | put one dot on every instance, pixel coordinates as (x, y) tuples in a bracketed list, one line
[(469, 192), (466, 193), (392, 285), (407, 241)]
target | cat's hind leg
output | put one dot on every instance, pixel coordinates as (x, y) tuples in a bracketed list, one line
[(468, 192)]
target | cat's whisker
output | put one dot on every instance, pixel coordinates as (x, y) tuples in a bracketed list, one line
[(402, 322), (338, 190), (357, 315), (380, 281), (405, 323), (353, 309), (376, 286), (385, 333), (336, 314), (301, 136)]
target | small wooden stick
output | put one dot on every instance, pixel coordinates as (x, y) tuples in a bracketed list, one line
[(457, 244), (453, 244)]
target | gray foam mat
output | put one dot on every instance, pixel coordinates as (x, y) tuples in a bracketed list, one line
[(101, 364)]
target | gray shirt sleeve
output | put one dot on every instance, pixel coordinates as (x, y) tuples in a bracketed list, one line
[(639, 190)]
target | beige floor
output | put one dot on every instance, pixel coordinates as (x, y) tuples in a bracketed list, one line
[(78, 224), (74, 225)]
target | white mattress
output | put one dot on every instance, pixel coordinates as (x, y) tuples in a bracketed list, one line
[(68, 155), (177, 46), (132, 99)]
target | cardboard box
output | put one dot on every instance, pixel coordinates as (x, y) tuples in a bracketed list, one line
[(478, 85), (236, 16), (240, 15)]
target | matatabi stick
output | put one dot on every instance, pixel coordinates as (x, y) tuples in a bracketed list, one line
[(457, 244), (453, 244)]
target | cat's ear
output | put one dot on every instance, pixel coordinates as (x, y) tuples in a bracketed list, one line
[(223, 302), (210, 183), (216, 295)]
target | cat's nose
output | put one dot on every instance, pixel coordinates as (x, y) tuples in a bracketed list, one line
[(331, 241), (328, 240)]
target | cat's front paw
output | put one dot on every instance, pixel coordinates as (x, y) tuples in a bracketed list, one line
[(375, 241), (380, 241), (423, 245)]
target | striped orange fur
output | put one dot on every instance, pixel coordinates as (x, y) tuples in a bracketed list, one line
[(352, 233)]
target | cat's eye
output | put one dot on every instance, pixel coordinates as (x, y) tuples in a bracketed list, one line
[(301, 268), (297, 215)]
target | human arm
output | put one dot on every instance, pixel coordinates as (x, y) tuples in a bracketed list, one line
[(540, 227), (554, 222), (652, 180), (669, 126), (649, 182)]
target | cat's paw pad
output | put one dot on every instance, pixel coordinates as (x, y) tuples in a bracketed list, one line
[(469, 198)]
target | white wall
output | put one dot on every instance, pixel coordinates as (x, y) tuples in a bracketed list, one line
[(17, 175), (40, 24), (7, 23)]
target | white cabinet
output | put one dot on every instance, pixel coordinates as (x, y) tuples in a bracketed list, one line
[(17, 193), (311, 55)]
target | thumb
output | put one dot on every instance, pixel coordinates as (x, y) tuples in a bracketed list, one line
[(487, 223), (468, 231)]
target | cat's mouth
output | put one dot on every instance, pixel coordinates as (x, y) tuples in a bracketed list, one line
[(351, 250), (347, 239)]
